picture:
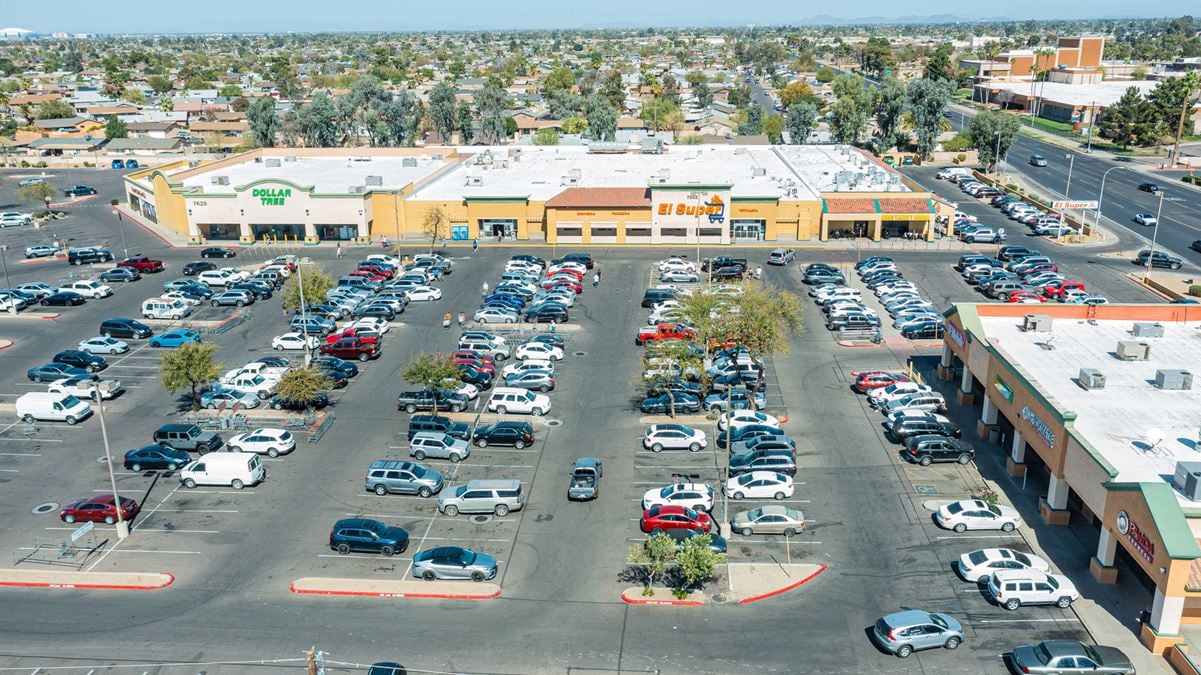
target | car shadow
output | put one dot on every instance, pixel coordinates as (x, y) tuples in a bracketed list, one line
[(869, 633)]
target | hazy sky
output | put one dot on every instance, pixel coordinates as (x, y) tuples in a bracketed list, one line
[(207, 16)]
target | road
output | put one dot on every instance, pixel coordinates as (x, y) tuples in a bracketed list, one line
[(1121, 200)]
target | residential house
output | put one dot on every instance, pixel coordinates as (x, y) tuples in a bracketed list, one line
[(144, 146), (155, 129), (67, 126)]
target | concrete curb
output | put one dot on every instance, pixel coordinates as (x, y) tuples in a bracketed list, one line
[(5, 344), (111, 581), (391, 589), (45, 259), (780, 591), (633, 596), (31, 315), (73, 202)]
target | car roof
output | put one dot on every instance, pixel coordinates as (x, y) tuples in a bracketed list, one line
[(1063, 648), (909, 617)]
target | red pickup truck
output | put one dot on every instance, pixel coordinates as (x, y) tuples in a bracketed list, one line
[(352, 348), (142, 264), (664, 331)]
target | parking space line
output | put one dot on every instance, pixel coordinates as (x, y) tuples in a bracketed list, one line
[(20, 454), (10, 470), (764, 542), (1066, 618), (486, 541), (361, 557), (504, 466), (151, 550), (198, 511), (978, 536), (387, 515), (135, 527)]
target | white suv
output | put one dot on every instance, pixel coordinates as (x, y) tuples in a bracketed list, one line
[(90, 289), (1013, 588), (510, 399)]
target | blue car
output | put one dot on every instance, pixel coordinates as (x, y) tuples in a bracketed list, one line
[(175, 338), (506, 299), (55, 371)]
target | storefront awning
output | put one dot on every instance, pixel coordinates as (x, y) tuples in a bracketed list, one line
[(601, 198)]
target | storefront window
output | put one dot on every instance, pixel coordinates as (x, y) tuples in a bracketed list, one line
[(711, 232), (747, 230), (337, 232), (570, 231), (221, 231), (149, 211), (638, 232), (674, 232), (278, 231), (604, 231), (498, 228)]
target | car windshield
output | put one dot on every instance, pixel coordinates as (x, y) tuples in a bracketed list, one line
[(937, 621), (994, 509), (955, 507), (977, 557), (70, 402), (467, 557), (1053, 582), (1022, 558), (1041, 653)]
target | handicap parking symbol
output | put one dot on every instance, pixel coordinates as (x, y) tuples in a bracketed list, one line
[(923, 489)]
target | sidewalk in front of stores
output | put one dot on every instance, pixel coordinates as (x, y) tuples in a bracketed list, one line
[(1109, 612)]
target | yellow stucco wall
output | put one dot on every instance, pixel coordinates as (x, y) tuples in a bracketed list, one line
[(169, 206)]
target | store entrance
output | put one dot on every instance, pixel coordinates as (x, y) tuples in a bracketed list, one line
[(221, 231), (748, 230), (498, 228), (278, 232), (337, 232)]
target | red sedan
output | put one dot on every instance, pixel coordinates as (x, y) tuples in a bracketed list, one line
[(867, 380), (671, 517), (472, 354), (1056, 289), (579, 276), (98, 509), (376, 270), (566, 283), (366, 275), (481, 366), (365, 335), (1026, 297)]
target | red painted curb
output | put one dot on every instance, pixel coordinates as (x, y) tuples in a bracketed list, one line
[(6, 346), (847, 345), (73, 201), (100, 587), (426, 596), (50, 316), (35, 261), (639, 601), (778, 591), (144, 226)]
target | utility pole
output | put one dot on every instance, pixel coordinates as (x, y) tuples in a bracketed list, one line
[(1190, 83), (4, 261), (98, 396), (1154, 236), (304, 320)]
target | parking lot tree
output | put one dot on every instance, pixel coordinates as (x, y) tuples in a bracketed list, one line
[(992, 133), (303, 385), (54, 109), (773, 126), (432, 371), (38, 192), (652, 558), (316, 283), (189, 367), (763, 318), (927, 99), (115, 128), (890, 104), (434, 225), (696, 563), (799, 122)]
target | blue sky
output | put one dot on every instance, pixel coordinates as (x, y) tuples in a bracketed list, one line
[(174, 16)]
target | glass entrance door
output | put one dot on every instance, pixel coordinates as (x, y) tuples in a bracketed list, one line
[(747, 230), (498, 228)]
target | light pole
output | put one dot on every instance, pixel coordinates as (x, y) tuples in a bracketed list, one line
[(1071, 157), (98, 396), (1092, 119), (4, 261), (304, 320), (1101, 195), (996, 155), (1154, 235), (121, 226)]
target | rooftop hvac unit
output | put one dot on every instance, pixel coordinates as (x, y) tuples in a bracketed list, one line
[(475, 181), (356, 189), (1130, 350), (220, 180), (758, 171), (272, 163), (1091, 378), (193, 163), (665, 175), (576, 173), (739, 151), (377, 181), (409, 162), (569, 181), (437, 157), (290, 158), (258, 160), (1148, 330), (1037, 323), (1173, 380), (1187, 479)]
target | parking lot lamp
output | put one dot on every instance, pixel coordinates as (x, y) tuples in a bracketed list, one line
[(1101, 195), (4, 261), (98, 397), (304, 336), (1154, 236)]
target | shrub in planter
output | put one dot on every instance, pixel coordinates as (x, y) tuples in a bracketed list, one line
[(1013, 187), (113, 202), (960, 158), (24, 164), (956, 160), (1195, 289)]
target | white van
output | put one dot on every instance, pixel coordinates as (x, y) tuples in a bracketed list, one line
[(235, 469), (165, 308), (41, 405)]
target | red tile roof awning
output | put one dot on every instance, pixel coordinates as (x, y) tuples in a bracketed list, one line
[(851, 205), (903, 205), (601, 198)]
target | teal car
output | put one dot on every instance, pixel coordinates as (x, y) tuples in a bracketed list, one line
[(175, 338)]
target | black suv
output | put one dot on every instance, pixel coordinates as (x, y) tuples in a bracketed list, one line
[(654, 296), (1159, 259), (362, 534), (125, 328), (412, 401), (1008, 253), (187, 437), (82, 256), (919, 425), (438, 424), (927, 449), (281, 403), (81, 359), (723, 261), (584, 259), (516, 434), (193, 268)]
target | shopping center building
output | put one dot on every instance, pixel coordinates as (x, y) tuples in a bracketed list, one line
[(1096, 408), (603, 194)]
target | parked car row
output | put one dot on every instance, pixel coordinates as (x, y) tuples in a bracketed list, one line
[(1022, 275), (530, 289), (1039, 221)]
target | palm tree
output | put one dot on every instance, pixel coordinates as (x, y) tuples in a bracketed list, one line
[(165, 104)]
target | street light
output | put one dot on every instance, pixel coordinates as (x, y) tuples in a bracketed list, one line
[(1101, 196), (4, 261), (1154, 235), (304, 320), (98, 396)]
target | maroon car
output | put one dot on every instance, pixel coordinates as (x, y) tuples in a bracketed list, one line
[(376, 270), (475, 364), (352, 348), (142, 264), (98, 509)]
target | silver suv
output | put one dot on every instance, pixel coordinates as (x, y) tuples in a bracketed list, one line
[(906, 632), (438, 446), (499, 496), (386, 476)]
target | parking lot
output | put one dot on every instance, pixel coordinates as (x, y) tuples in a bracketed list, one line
[(865, 508)]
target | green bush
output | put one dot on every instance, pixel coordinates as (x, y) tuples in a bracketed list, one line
[(960, 158), (1013, 187), (1195, 289), (24, 164), (1191, 180), (88, 165)]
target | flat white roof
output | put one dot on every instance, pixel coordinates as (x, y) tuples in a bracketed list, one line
[(1121, 420), (1103, 94), (331, 175), (541, 172)]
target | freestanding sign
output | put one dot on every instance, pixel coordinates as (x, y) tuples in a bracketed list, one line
[(1062, 205)]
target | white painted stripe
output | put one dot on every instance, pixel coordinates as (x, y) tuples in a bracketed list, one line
[(361, 557), (20, 454), (1066, 618)]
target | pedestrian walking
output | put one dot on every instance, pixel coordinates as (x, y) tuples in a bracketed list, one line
[(384, 241), (446, 320), (475, 244), (598, 272), (462, 319), (484, 289), (596, 280), (339, 251), (758, 272)]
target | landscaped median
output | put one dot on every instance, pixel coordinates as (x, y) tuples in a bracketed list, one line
[(392, 588), (748, 582), (110, 581)]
